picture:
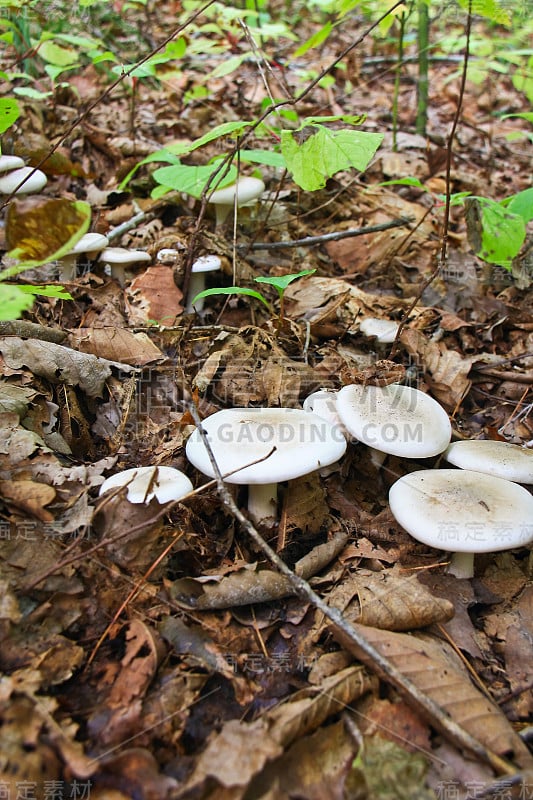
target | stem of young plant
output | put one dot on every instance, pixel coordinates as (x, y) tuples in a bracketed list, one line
[(397, 79), (449, 154), (423, 79)]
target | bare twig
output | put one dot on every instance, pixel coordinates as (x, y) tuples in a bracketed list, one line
[(308, 241)]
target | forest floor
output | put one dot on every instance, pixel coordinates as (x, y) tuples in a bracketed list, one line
[(136, 661)]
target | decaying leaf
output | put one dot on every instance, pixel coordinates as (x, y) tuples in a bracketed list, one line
[(43, 229), (116, 344), (389, 600), (154, 297), (59, 364), (434, 668), (29, 496)]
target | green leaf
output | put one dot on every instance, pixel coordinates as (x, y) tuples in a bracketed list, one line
[(521, 204), (192, 180), (490, 9), (495, 234), (9, 112), (269, 157), (314, 41), (527, 115), (405, 182), (315, 153), (57, 55), (232, 290), (224, 129), (280, 282), (160, 155), (13, 301), (48, 290)]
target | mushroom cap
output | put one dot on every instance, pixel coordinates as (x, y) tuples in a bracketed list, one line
[(120, 255), (246, 189), (395, 419), (502, 459), (90, 243), (463, 511), (206, 264), (324, 404), (384, 330), (290, 441), (7, 163), (144, 483), (10, 181)]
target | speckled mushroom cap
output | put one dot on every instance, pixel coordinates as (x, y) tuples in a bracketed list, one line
[(501, 459), (298, 442), (463, 511), (144, 483), (395, 419)]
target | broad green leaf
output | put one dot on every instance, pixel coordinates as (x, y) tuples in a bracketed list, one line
[(9, 112), (521, 204), (224, 129), (269, 157), (192, 180), (13, 301), (59, 56), (315, 153), (280, 282), (37, 233), (495, 234), (159, 155), (490, 9), (349, 119), (232, 290), (228, 66)]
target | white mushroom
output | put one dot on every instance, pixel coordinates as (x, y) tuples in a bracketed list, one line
[(7, 163), (166, 484), (383, 330), (199, 269), (502, 459), (34, 181), (395, 419), (324, 403), (91, 244), (464, 512), (261, 447), (244, 190), (118, 258)]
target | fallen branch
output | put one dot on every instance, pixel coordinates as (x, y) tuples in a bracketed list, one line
[(308, 241), (431, 711)]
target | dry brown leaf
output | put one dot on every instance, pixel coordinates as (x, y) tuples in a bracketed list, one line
[(305, 506), (389, 600), (154, 297), (433, 667), (445, 371), (29, 496), (116, 344)]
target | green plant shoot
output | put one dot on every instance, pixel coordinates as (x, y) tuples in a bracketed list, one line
[(279, 282)]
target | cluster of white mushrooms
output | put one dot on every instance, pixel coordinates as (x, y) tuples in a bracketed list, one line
[(477, 508)]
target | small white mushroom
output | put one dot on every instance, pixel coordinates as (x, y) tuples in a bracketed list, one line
[(463, 512), (383, 330), (90, 244), (244, 190), (119, 258), (502, 459), (34, 181), (199, 269), (261, 447), (324, 403), (7, 163), (166, 484)]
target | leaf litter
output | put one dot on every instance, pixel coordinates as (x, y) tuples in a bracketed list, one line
[(216, 679)]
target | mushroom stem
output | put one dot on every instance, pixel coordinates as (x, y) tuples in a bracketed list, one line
[(263, 502), (67, 267), (196, 285), (462, 565)]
